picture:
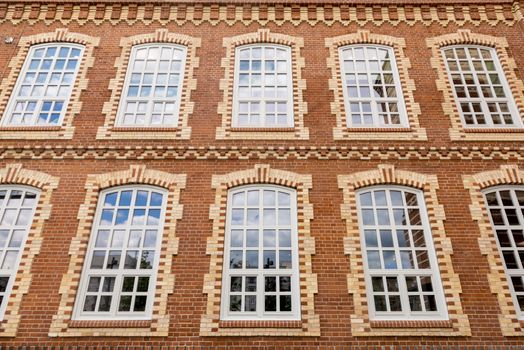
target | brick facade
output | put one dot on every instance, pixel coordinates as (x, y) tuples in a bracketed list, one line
[(203, 157)]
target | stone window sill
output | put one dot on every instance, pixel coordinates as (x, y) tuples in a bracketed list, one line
[(494, 130), (260, 324), (110, 324), (412, 324)]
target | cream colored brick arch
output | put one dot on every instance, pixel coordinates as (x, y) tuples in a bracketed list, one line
[(341, 131), (449, 106), (7, 86), (62, 325), (261, 174), (361, 325), (15, 174), (225, 108), (475, 184), (182, 131)]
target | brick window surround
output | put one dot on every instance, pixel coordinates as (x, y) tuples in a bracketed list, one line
[(361, 325), (476, 184), (182, 131), (14, 174), (66, 129), (62, 324), (225, 108), (309, 325), (457, 132), (341, 131)]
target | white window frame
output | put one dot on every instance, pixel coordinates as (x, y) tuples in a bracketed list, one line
[(151, 99), (260, 272), (512, 272), (406, 313), (515, 116), (373, 100), (39, 100), (11, 273), (78, 313), (236, 100)]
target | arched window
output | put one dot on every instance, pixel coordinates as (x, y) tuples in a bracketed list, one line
[(261, 278), (506, 207), (119, 276), (153, 85), (402, 276), (372, 91), (480, 88), (17, 207), (263, 89), (44, 86)]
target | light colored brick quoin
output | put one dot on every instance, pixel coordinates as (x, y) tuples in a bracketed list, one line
[(387, 174), (341, 131), (66, 130), (136, 174), (116, 85), (475, 184), (225, 108), (15, 174), (449, 106), (260, 174)]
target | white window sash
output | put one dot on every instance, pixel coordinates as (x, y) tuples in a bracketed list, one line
[(87, 271), (260, 272), (40, 99), (400, 273), (515, 116), (513, 272), (124, 100), (262, 99), (377, 123), (11, 273)]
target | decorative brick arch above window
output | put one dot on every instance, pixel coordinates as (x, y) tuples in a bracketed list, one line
[(341, 131), (309, 325), (62, 324), (182, 131), (66, 129), (516, 86), (225, 108), (361, 325), (14, 174), (475, 184)]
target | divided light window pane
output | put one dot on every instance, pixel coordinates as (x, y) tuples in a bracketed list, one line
[(44, 86), (152, 93), (506, 209), (263, 92), (261, 278), (119, 278), (371, 83), (17, 206), (480, 87), (402, 278)]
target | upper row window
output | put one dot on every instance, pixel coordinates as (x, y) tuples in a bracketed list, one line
[(481, 91), (44, 86), (263, 92), (372, 92), (153, 86), (263, 87)]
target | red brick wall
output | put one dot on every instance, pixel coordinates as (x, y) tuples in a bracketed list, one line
[(449, 161)]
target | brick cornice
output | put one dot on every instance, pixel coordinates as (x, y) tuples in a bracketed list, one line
[(441, 12)]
